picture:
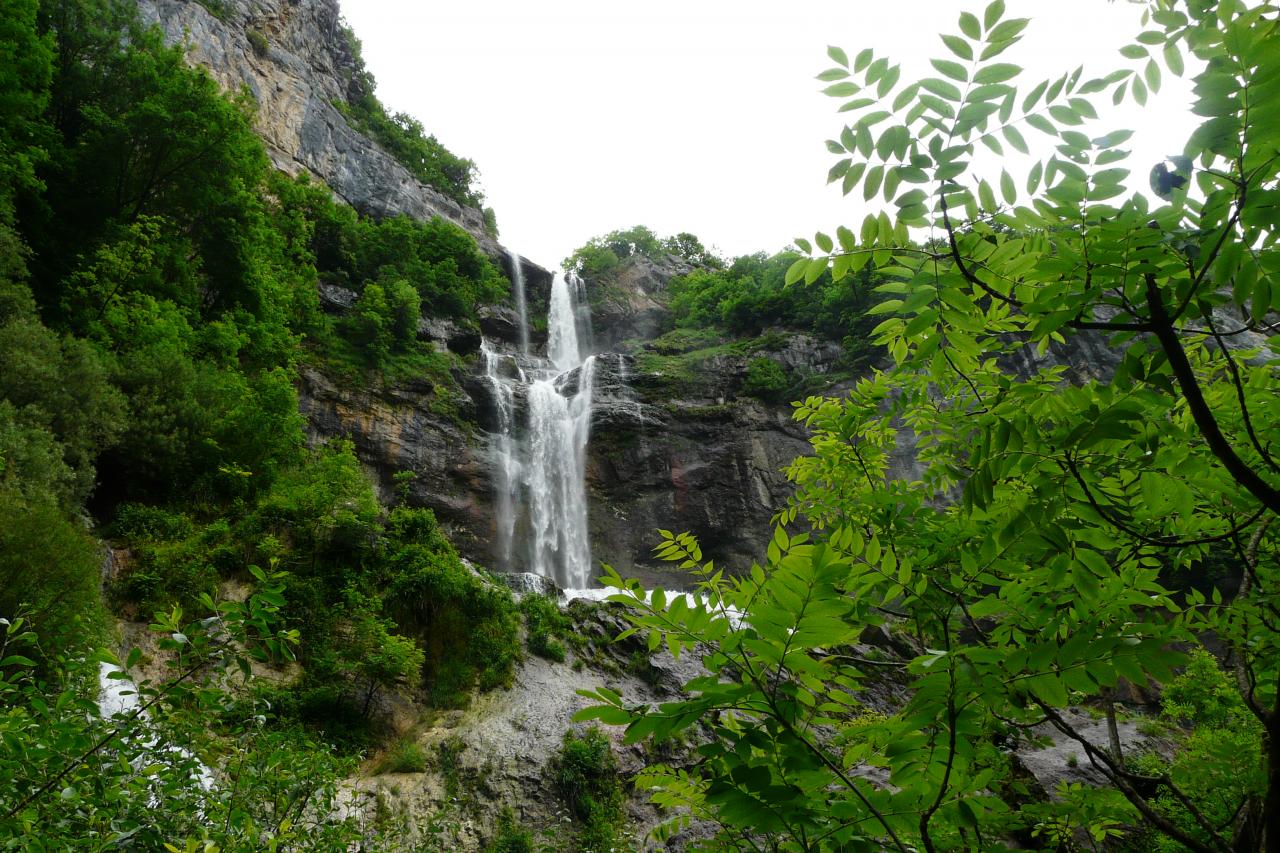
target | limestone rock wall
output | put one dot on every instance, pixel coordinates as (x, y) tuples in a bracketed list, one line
[(306, 67)]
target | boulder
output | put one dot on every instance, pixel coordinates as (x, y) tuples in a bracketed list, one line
[(526, 583)]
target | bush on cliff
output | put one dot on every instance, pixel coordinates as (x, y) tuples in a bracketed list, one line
[(404, 138)]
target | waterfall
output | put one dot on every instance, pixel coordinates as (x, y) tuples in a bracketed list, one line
[(522, 308), (562, 327), (624, 379), (506, 458), (539, 465), (118, 699)]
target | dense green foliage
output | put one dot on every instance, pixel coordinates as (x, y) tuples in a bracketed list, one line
[(404, 138), (751, 295), (1026, 557), (61, 597), (158, 289), (744, 298), (545, 625), (1218, 762), (509, 836), (436, 258), (72, 779)]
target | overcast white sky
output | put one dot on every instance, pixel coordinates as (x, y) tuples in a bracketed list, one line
[(689, 115)]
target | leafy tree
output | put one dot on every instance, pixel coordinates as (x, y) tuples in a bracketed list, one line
[(50, 573), (1218, 761), (62, 386), (601, 256), (1024, 556), (368, 324), (751, 295), (689, 247), (404, 309), (72, 778), (27, 62), (377, 657), (32, 462)]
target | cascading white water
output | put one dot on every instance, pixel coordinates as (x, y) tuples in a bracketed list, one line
[(539, 472), (118, 700), (506, 461), (559, 427), (624, 379), (522, 309), (562, 327)]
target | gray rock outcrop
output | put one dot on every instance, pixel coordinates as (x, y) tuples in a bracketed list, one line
[(632, 309), (410, 427), (306, 67)]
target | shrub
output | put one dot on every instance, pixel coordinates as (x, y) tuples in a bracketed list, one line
[(1202, 695), (585, 773), (544, 624), (509, 836), (139, 521), (467, 626), (258, 42), (406, 756), (766, 380), (50, 571), (373, 656), (166, 573)]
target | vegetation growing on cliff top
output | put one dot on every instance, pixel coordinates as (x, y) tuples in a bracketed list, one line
[(404, 138), (743, 298), (1029, 553)]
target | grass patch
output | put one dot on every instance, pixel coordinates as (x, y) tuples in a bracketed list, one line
[(405, 756), (509, 836)]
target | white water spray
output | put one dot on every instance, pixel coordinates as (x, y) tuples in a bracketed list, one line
[(506, 457)]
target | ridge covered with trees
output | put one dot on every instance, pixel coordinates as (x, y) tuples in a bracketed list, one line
[(1061, 543)]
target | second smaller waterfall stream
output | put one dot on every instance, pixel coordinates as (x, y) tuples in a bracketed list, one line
[(540, 459)]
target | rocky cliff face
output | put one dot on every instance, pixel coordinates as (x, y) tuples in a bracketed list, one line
[(696, 454), (295, 61), (676, 441)]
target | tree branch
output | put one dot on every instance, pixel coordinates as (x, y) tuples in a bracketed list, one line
[(1246, 477)]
